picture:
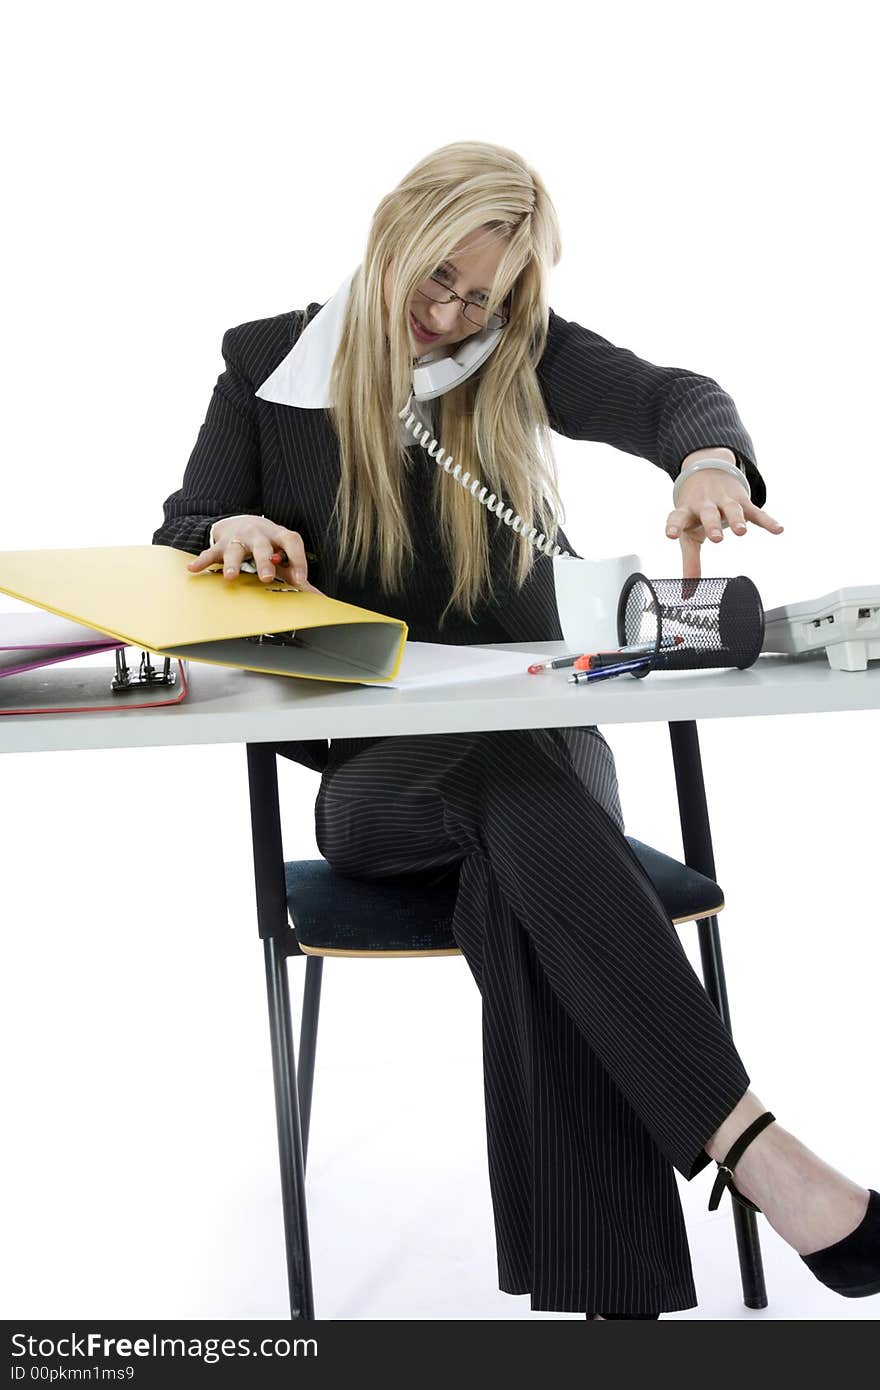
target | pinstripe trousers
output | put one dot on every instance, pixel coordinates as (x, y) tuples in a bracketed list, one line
[(605, 1064)]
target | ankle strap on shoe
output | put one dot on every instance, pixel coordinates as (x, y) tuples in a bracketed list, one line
[(725, 1169)]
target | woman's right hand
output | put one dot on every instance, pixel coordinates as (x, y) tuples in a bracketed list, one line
[(259, 538)]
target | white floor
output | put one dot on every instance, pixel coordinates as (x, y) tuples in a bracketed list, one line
[(139, 1173)]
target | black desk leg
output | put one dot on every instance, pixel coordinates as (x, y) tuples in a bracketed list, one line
[(273, 927), (697, 841)]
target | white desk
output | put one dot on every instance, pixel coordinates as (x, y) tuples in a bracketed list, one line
[(230, 706)]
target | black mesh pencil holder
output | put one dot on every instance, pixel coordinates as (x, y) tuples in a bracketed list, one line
[(692, 624)]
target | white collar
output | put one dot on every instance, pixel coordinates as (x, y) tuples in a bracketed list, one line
[(302, 378)]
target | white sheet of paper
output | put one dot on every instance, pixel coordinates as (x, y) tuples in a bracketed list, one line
[(426, 664), (36, 628)]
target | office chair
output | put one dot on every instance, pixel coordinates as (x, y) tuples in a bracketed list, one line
[(334, 916)]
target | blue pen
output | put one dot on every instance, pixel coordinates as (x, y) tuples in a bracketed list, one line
[(605, 672)]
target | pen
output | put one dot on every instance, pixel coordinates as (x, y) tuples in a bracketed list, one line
[(584, 662), (281, 557), (555, 664), (590, 660), (584, 677)]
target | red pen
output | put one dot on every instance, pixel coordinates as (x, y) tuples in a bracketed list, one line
[(280, 557)]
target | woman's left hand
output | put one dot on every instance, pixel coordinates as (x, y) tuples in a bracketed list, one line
[(709, 497)]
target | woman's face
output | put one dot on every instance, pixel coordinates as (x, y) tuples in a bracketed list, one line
[(469, 271)]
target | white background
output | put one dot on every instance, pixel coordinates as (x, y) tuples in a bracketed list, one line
[(182, 168)]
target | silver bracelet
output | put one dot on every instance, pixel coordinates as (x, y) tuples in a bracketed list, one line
[(724, 464)]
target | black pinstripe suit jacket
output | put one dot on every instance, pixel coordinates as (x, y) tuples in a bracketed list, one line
[(282, 461)]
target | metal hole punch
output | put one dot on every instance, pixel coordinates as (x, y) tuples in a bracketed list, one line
[(278, 639), (147, 675)]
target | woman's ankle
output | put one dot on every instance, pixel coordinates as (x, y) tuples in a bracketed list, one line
[(747, 1109), (807, 1202)]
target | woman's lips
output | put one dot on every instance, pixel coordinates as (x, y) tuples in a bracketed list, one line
[(422, 333)]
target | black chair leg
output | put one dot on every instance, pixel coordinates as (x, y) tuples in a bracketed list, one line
[(273, 925), (308, 1037), (293, 1199), (698, 854), (748, 1243)]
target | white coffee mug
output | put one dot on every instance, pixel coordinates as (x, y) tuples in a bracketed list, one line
[(587, 595)]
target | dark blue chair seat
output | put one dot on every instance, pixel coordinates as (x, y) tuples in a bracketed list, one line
[(335, 915)]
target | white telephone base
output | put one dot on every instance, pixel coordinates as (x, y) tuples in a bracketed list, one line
[(846, 623)]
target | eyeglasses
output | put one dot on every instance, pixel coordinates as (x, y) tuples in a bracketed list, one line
[(475, 313)]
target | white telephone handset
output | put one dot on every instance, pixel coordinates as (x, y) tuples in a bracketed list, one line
[(432, 379)]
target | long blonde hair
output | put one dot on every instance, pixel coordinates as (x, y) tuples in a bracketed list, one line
[(494, 424)]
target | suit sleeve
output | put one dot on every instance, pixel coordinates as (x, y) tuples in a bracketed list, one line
[(222, 477), (597, 391)]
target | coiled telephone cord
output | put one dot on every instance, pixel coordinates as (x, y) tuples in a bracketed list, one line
[(496, 505)]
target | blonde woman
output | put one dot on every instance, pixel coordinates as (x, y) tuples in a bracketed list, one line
[(606, 1066)]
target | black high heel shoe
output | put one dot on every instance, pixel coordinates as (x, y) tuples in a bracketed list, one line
[(851, 1266)]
